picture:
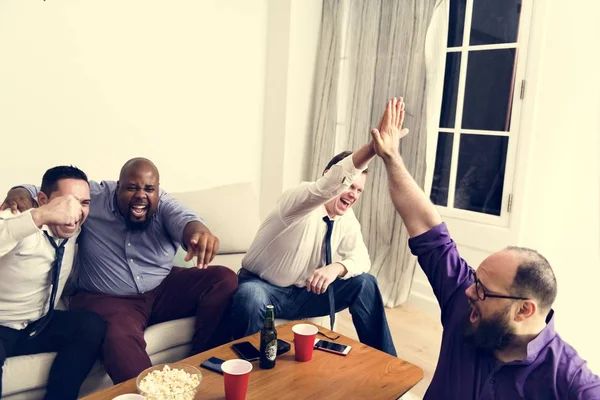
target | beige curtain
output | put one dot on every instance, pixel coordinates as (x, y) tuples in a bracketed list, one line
[(385, 57), (327, 74)]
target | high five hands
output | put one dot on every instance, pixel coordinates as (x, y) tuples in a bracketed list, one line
[(386, 138)]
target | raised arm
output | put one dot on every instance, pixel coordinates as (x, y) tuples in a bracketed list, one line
[(63, 210), (300, 200), (417, 211), (448, 274)]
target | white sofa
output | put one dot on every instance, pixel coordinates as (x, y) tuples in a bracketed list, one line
[(232, 213)]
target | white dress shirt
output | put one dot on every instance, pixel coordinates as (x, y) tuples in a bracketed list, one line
[(26, 257), (289, 245)]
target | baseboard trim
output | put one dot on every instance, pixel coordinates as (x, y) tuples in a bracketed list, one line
[(425, 303)]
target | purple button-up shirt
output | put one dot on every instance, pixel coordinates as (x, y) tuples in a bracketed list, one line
[(551, 370), (115, 260)]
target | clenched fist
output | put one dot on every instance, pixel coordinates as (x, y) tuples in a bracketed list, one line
[(62, 210)]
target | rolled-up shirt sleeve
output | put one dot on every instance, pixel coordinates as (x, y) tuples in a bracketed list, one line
[(32, 189)]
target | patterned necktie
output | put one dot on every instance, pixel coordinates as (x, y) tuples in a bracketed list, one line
[(328, 261), (39, 325)]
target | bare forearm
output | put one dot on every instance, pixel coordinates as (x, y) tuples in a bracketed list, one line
[(417, 211), (363, 156)]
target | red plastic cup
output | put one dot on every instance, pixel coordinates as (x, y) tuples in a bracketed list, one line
[(236, 374), (304, 341)]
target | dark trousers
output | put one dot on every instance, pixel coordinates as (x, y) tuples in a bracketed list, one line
[(185, 292), (77, 338), (360, 294)]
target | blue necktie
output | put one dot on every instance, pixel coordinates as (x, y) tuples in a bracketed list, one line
[(328, 261), (39, 325)]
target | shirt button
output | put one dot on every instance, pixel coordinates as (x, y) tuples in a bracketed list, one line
[(131, 260), (493, 381), (138, 277), (128, 244)]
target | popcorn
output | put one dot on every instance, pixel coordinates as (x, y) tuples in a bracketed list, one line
[(169, 384)]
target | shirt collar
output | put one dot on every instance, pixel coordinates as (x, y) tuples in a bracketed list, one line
[(45, 228), (57, 239), (323, 213), (541, 341)]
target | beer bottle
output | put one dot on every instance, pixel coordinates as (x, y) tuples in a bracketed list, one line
[(268, 340)]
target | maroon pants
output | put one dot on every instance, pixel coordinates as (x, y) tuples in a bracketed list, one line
[(185, 292)]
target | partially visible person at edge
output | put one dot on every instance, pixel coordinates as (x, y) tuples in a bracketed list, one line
[(125, 271), (499, 340), (37, 248)]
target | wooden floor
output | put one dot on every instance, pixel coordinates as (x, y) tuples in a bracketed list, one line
[(416, 336)]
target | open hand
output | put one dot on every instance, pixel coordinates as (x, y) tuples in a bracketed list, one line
[(386, 138), (204, 246)]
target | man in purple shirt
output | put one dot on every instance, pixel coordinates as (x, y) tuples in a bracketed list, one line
[(125, 271), (499, 340)]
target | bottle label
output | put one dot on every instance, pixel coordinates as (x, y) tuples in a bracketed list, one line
[(271, 350)]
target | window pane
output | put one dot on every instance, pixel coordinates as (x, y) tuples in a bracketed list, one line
[(441, 172), (456, 24), (488, 90), (480, 173), (495, 21), (448, 114)]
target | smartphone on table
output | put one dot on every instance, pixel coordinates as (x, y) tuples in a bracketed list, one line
[(213, 364), (331, 347), (246, 350), (282, 347)]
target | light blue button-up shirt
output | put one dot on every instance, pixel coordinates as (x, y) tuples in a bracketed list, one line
[(115, 260)]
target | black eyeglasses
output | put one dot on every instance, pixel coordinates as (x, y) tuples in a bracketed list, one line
[(482, 292)]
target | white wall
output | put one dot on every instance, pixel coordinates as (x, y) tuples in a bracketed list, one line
[(305, 29), (95, 83), (560, 214), (293, 35)]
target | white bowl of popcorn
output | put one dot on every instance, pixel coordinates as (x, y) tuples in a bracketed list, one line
[(169, 382)]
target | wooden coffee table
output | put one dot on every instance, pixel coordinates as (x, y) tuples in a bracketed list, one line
[(365, 373)]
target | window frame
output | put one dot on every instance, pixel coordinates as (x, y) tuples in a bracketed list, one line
[(521, 46)]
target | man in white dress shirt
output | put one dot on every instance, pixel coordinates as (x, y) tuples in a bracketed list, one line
[(288, 264), (37, 248)]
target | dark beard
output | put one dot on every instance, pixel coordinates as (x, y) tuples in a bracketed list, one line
[(491, 334), (137, 226)]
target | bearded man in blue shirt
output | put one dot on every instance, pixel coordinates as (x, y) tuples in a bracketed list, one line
[(125, 272)]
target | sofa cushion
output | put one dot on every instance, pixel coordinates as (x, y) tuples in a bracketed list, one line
[(26, 372), (32, 370), (231, 212), (169, 334)]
